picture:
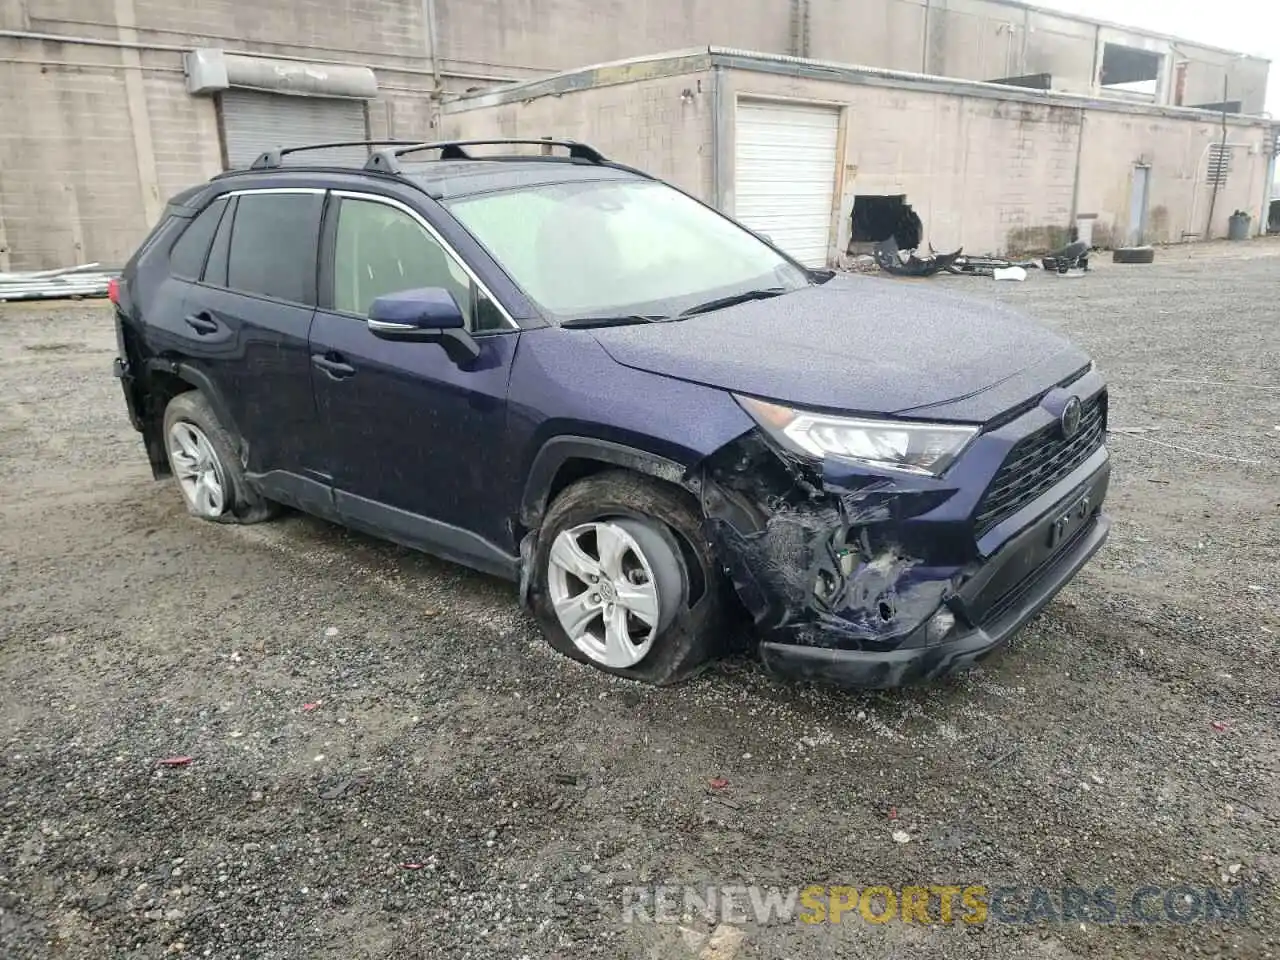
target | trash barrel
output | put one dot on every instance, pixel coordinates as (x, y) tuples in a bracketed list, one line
[(1238, 226)]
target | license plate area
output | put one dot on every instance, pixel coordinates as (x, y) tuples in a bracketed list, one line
[(1019, 559), (1068, 521)]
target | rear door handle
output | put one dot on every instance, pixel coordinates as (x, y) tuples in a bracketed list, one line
[(202, 323), (335, 369)]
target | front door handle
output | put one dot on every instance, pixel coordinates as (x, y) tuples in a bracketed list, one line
[(335, 369), (202, 323)]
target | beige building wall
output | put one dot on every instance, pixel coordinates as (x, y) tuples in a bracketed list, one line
[(95, 135), (985, 174), (532, 36), (98, 129), (989, 174), (965, 39), (661, 125), (1177, 153)]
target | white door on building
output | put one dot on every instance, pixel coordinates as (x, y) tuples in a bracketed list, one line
[(785, 175), (253, 122)]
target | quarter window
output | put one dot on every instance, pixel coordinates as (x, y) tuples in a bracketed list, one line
[(380, 250), (215, 270), (273, 245), (188, 255)]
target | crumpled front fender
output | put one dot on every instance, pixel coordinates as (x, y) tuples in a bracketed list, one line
[(829, 556)]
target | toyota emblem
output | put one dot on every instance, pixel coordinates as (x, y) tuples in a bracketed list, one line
[(1070, 419)]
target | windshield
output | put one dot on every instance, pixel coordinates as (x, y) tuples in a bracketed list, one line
[(620, 247)]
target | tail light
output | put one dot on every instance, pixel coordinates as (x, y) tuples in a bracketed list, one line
[(113, 290)]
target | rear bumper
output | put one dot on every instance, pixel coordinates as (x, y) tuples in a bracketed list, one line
[(892, 668), (120, 369)]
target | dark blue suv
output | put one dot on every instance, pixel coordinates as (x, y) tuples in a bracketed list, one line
[(561, 371)]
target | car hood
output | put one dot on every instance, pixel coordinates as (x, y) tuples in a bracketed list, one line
[(862, 345)]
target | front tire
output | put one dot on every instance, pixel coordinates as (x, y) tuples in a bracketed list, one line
[(625, 580), (203, 461)]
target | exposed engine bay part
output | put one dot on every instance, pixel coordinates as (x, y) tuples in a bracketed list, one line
[(811, 555)]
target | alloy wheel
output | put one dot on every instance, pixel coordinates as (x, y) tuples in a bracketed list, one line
[(613, 585), (198, 469)]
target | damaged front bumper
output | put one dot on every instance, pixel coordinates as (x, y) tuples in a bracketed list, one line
[(916, 659), (876, 580)]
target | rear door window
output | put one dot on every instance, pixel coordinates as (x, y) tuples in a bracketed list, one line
[(187, 258), (273, 246)]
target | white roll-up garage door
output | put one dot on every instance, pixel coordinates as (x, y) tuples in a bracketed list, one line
[(785, 175), (253, 122)]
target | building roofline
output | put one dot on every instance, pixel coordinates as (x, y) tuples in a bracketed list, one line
[(650, 66), (701, 59), (1124, 28)]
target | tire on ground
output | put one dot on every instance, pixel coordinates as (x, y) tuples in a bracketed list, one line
[(246, 505), (1133, 255), (693, 637)]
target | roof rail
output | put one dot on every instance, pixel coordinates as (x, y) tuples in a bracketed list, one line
[(388, 161), (270, 159)]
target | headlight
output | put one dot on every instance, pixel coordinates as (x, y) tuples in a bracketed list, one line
[(922, 448)]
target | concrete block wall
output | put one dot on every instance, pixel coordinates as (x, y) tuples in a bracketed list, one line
[(387, 32), (69, 171), (965, 39), (1177, 152), (95, 138), (985, 174), (661, 125), (542, 35), (876, 33)]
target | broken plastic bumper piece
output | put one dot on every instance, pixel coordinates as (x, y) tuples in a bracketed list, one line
[(917, 659), (876, 578)]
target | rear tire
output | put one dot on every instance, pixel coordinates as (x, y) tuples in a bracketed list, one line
[(653, 611), (1134, 255), (202, 458)]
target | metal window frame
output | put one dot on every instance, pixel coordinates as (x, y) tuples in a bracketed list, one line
[(439, 238), (229, 196)]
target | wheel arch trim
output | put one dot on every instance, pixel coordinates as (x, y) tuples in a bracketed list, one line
[(202, 382), (557, 451)]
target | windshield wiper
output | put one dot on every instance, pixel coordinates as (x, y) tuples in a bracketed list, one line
[(616, 321), (721, 302)]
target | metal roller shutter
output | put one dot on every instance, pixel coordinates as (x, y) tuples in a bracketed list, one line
[(785, 175), (253, 122)]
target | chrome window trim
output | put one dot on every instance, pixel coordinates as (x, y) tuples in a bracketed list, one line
[(434, 234), (241, 193)]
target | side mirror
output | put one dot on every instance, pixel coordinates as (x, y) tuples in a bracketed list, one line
[(426, 315)]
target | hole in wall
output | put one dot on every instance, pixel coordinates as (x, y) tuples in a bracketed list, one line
[(877, 218)]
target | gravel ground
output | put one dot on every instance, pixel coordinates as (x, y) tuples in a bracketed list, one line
[(387, 761)]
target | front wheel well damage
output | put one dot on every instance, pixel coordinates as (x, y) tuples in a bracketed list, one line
[(574, 469), (823, 561)]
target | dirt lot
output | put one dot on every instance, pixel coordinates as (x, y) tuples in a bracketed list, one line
[(354, 710)]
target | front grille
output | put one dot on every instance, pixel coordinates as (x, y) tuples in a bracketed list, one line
[(1038, 461)]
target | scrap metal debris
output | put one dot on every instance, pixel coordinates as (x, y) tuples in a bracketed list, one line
[(1071, 260), (86, 280), (892, 260)]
